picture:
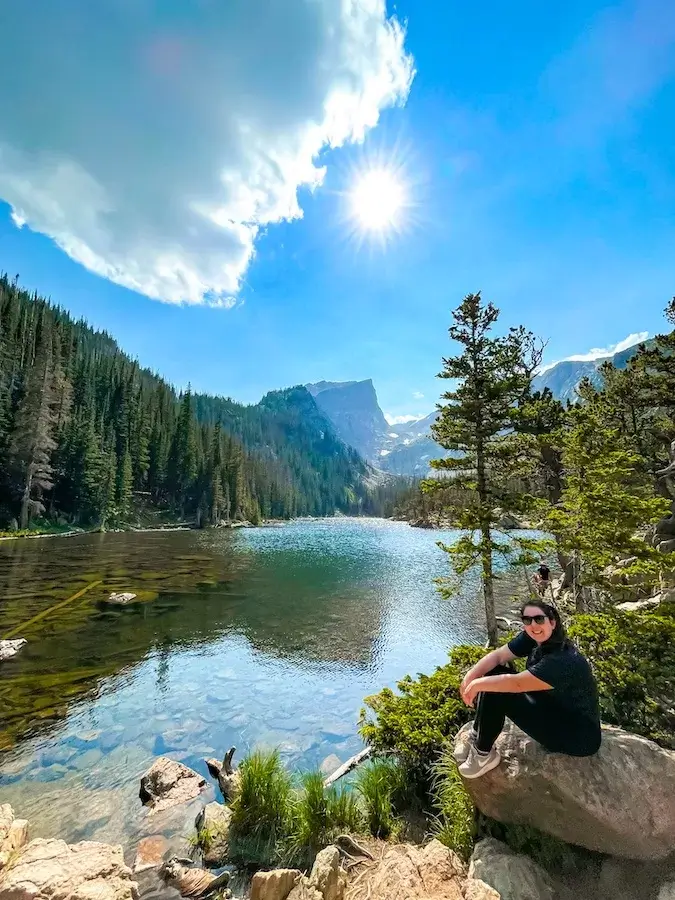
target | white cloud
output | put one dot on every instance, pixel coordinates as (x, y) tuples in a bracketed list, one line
[(418, 395), (399, 420), (154, 147), (601, 352)]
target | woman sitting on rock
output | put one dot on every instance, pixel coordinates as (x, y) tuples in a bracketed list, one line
[(554, 701)]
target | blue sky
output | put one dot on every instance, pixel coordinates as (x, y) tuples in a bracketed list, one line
[(535, 142)]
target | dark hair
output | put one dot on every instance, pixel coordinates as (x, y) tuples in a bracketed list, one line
[(558, 639)]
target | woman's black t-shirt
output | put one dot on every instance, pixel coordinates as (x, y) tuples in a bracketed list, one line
[(567, 671)]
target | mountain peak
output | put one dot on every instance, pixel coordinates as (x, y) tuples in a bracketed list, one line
[(320, 386)]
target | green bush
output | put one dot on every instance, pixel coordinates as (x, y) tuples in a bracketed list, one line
[(633, 658), (455, 824), (262, 811), (415, 723)]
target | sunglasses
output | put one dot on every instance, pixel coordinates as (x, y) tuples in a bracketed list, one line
[(538, 620)]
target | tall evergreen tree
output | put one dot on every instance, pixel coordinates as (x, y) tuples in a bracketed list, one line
[(33, 439), (492, 374)]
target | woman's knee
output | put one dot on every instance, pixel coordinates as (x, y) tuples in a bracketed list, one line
[(508, 669)]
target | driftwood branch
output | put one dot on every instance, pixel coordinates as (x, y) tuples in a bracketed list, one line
[(351, 763)]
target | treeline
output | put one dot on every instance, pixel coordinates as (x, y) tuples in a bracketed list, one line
[(88, 437), (599, 474)]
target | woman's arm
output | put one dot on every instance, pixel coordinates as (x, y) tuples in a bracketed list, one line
[(520, 683), (499, 657)]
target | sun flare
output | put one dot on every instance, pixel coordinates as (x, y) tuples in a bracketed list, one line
[(377, 200)]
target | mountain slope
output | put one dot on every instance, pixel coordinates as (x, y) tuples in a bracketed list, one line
[(353, 409), (564, 377), (88, 436)]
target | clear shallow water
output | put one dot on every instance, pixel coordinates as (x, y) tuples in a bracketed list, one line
[(269, 636)]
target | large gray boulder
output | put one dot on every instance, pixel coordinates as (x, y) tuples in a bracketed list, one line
[(51, 869), (618, 802)]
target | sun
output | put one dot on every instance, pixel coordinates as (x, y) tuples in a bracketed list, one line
[(377, 200)]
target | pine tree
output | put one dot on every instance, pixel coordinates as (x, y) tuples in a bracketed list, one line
[(124, 484), (32, 441), (493, 374), (183, 457), (606, 500)]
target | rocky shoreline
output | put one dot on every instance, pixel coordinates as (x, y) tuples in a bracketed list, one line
[(612, 815)]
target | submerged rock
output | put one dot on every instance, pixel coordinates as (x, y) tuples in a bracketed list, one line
[(122, 599), (169, 783), (330, 764), (150, 853), (8, 649), (618, 802), (51, 869)]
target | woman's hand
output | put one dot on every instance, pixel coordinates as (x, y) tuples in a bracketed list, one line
[(466, 681), (470, 692)]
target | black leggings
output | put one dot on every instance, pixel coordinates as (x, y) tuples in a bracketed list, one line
[(557, 729)]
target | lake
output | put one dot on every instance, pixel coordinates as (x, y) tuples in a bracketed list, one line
[(252, 637)]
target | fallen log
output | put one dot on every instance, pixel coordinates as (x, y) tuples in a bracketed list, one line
[(351, 763)]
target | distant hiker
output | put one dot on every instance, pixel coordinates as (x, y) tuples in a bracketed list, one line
[(542, 579), (555, 700)]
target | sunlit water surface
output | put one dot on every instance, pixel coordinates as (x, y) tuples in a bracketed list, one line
[(259, 637)]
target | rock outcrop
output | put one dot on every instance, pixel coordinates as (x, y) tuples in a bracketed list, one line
[(618, 802), (51, 869), (13, 835), (169, 783), (327, 879), (407, 872), (213, 833), (512, 875), (392, 872), (274, 885)]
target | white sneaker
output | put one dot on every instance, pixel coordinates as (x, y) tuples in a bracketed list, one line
[(461, 754), (477, 763)]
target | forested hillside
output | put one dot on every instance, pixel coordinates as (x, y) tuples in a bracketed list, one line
[(89, 437)]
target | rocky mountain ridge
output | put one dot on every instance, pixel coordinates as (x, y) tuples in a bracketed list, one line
[(406, 448)]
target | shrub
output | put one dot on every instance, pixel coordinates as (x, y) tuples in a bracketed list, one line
[(633, 658), (415, 723), (261, 812)]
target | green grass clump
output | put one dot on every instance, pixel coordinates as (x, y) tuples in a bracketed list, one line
[(381, 783), (262, 811), (319, 815), (455, 824)]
